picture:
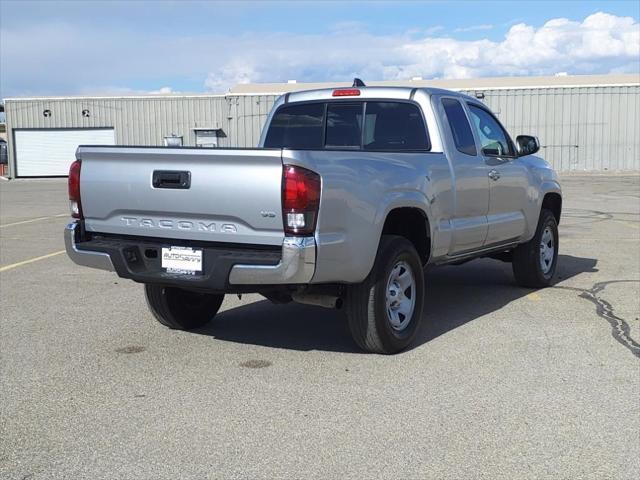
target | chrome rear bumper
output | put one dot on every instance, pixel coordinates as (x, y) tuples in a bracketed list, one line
[(297, 263), (86, 258)]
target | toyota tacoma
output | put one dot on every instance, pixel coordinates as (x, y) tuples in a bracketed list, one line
[(350, 194)]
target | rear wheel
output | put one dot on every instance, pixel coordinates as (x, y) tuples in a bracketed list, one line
[(182, 309), (385, 310), (534, 263)]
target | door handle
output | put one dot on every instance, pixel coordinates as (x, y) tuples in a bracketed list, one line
[(171, 179), (494, 174)]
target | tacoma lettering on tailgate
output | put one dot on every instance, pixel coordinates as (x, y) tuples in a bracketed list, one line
[(179, 225)]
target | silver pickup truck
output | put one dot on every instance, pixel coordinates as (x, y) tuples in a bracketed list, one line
[(351, 193)]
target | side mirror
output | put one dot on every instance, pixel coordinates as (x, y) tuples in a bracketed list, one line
[(527, 145)]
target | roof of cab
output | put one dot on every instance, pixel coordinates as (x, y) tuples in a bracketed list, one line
[(397, 93)]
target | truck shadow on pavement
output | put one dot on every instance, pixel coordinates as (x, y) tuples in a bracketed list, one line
[(456, 295)]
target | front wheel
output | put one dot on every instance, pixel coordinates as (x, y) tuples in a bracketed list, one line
[(181, 309), (385, 310), (534, 263)]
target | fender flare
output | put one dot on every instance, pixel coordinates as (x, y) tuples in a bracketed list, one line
[(395, 199)]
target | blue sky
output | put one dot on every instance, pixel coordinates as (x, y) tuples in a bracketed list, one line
[(57, 48)]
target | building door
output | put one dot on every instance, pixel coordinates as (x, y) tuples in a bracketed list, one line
[(50, 152)]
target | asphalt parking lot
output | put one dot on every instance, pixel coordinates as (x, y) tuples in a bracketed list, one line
[(503, 382)]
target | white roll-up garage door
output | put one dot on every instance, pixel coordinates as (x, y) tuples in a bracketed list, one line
[(48, 153)]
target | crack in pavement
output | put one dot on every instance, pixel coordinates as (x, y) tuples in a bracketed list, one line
[(620, 329), (590, 216), (585, 216)]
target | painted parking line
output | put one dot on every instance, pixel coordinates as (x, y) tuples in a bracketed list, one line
[(534, 297), (31, 260), (39, 219)]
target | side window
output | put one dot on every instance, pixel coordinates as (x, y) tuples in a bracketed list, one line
[(344, 125), (394, 126), (462, 135), (296, 126), (494, 140)]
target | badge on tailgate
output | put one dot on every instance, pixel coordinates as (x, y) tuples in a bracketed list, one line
[(183, 260)]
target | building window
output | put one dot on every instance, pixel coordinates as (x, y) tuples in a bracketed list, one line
[(172, 141), (206, 138)]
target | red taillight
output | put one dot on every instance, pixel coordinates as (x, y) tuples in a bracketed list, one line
[(346, 92), (74, 189), (300, 200)]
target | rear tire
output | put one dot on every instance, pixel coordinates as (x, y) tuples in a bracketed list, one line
[(181, 309), (385, 310), (534, 263)]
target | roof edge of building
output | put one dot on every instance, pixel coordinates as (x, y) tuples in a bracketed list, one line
[(481, 83), (128, 97)]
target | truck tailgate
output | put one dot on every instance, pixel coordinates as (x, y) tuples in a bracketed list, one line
[(234, 196)]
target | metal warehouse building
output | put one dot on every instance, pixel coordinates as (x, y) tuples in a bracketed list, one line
[(584, 123), (44, 133)]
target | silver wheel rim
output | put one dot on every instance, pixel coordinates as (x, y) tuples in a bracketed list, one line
[(401, 296), (547, 250)]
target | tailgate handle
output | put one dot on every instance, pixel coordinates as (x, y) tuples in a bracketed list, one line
[(171, 179)]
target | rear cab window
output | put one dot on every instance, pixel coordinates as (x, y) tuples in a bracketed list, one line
[(392, 126), (297, 126), (344, 125), (460, 128)]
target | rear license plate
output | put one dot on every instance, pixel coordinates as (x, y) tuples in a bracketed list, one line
[(183, 260)]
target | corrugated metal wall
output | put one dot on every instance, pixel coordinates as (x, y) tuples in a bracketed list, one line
[(580, 128), (147, 120)]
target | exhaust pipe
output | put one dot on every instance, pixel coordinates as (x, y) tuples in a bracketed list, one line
[(326, 301)]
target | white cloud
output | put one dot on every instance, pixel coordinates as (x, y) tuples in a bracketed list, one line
[(601, 43), (474, 28), (67, 58), (231, 74), (431, 30), (163, 91), (110, 90)]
